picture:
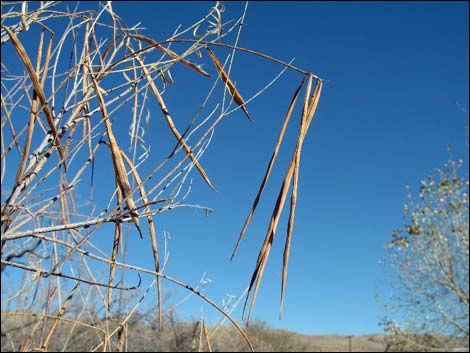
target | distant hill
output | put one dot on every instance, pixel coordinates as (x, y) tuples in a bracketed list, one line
[(176, 336)]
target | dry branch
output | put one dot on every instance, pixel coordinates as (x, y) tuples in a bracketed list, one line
[(102, 84)]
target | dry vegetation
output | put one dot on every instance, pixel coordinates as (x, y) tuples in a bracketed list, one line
[(178, 336), (429, 308), (77, 90)]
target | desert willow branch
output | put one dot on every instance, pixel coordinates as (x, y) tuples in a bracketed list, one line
[(253, 52), (60, 314), (63, 319), (11, 126), (19, 84), (155, 273), (26, 21), (29, 176), (36, 165), (47, 204), (44, 273), (159, 274), (16, 137), (143, 270), (53, 169), (86, 224), (122, 325)]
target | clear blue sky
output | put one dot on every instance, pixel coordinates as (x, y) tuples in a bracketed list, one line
[(397, 73)]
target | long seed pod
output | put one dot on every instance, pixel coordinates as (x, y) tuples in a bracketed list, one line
[(227, 81), (170, 53), (39, 90), (119, 169), (310, 105), (153, 234), (270, 165)]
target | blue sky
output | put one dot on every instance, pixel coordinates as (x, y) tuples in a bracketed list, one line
[(397, 75)]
